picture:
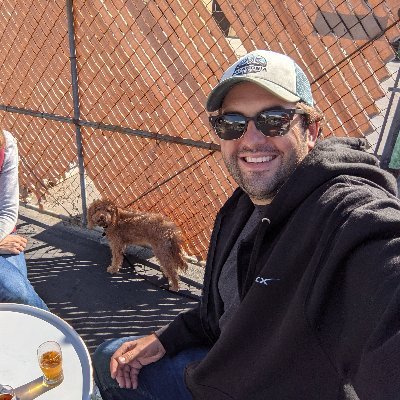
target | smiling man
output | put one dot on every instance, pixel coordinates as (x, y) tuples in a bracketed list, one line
[(261, 164), (302, 283)]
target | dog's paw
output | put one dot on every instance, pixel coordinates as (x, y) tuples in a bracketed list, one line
[(112, 270), (174, 288)]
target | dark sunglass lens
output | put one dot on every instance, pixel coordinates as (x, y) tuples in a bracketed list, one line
[(273, 123), (230, 126)]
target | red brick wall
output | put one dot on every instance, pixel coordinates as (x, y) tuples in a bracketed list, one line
[(149, 65)]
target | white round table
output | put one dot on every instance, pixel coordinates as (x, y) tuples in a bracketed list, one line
[(22, 329)]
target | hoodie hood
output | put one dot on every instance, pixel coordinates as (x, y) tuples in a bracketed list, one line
[(329, 159)]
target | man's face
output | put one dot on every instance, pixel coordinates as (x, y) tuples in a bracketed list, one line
[(260, 164)]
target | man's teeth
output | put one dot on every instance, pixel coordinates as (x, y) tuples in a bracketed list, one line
[(258, 159)]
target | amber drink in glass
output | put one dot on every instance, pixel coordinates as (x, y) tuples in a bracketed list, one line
[(6, 392), (50, 362)]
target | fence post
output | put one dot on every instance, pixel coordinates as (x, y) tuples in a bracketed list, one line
[(75, 97)]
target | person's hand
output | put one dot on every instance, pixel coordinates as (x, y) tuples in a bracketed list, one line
[(127, 361), (12, 244)]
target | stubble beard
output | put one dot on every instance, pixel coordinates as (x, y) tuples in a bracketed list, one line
[(258, 185)]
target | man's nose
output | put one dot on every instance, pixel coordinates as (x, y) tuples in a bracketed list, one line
[(252, 134)]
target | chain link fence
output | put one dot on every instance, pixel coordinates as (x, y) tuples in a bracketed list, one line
[(106, 98)]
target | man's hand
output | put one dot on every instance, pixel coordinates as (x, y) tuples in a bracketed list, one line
[(127, 361), (12, 244)]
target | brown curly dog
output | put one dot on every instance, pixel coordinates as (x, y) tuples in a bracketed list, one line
[(124, 227)]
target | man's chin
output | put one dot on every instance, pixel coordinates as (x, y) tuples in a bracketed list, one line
[(258, 197), (259, 185), (259, 192)]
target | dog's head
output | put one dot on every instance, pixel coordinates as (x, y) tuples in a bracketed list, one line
[(102, 213)]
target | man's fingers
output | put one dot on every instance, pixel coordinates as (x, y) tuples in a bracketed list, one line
[(134, 377), (114, 363), (113, 368), (127, 375), (125, 347), (129, 356)]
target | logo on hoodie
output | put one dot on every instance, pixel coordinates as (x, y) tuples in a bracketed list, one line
[(250, 65), (265, 281)]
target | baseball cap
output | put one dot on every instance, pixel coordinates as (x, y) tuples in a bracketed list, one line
[(275, 72)]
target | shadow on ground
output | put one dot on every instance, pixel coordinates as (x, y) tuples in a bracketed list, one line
[(68, 270)]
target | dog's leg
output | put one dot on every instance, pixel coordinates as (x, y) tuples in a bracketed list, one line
[(117, 257), (169, 255), (172, 276), (167, 266), (173, 280)]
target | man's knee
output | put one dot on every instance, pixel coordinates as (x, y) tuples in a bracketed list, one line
[(101, 356)]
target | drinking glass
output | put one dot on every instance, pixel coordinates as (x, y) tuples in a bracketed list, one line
[(7, 392), (50, 362)]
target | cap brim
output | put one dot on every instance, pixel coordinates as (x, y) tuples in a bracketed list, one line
[(218, 94)]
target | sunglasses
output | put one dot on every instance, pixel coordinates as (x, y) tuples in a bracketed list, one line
[(272, 122)]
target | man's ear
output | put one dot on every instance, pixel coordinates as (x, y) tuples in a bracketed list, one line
[(312, 134)]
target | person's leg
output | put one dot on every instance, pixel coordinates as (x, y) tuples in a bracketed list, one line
[(162, 380), (18, 260), (14, 284)]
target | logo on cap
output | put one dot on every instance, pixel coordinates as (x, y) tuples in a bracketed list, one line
[(250, 65)]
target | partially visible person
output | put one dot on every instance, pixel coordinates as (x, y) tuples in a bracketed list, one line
[(301, 293), (14, 284)]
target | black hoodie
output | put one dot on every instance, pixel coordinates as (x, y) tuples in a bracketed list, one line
[(319, 283)]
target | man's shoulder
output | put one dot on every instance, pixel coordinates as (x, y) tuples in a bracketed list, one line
[(360, 188), (355, 199)]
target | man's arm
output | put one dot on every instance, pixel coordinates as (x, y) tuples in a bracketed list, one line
[(359, 327), (184, 331), (377, 376)]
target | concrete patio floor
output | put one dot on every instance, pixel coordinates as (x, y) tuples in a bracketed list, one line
[(67, 266)]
